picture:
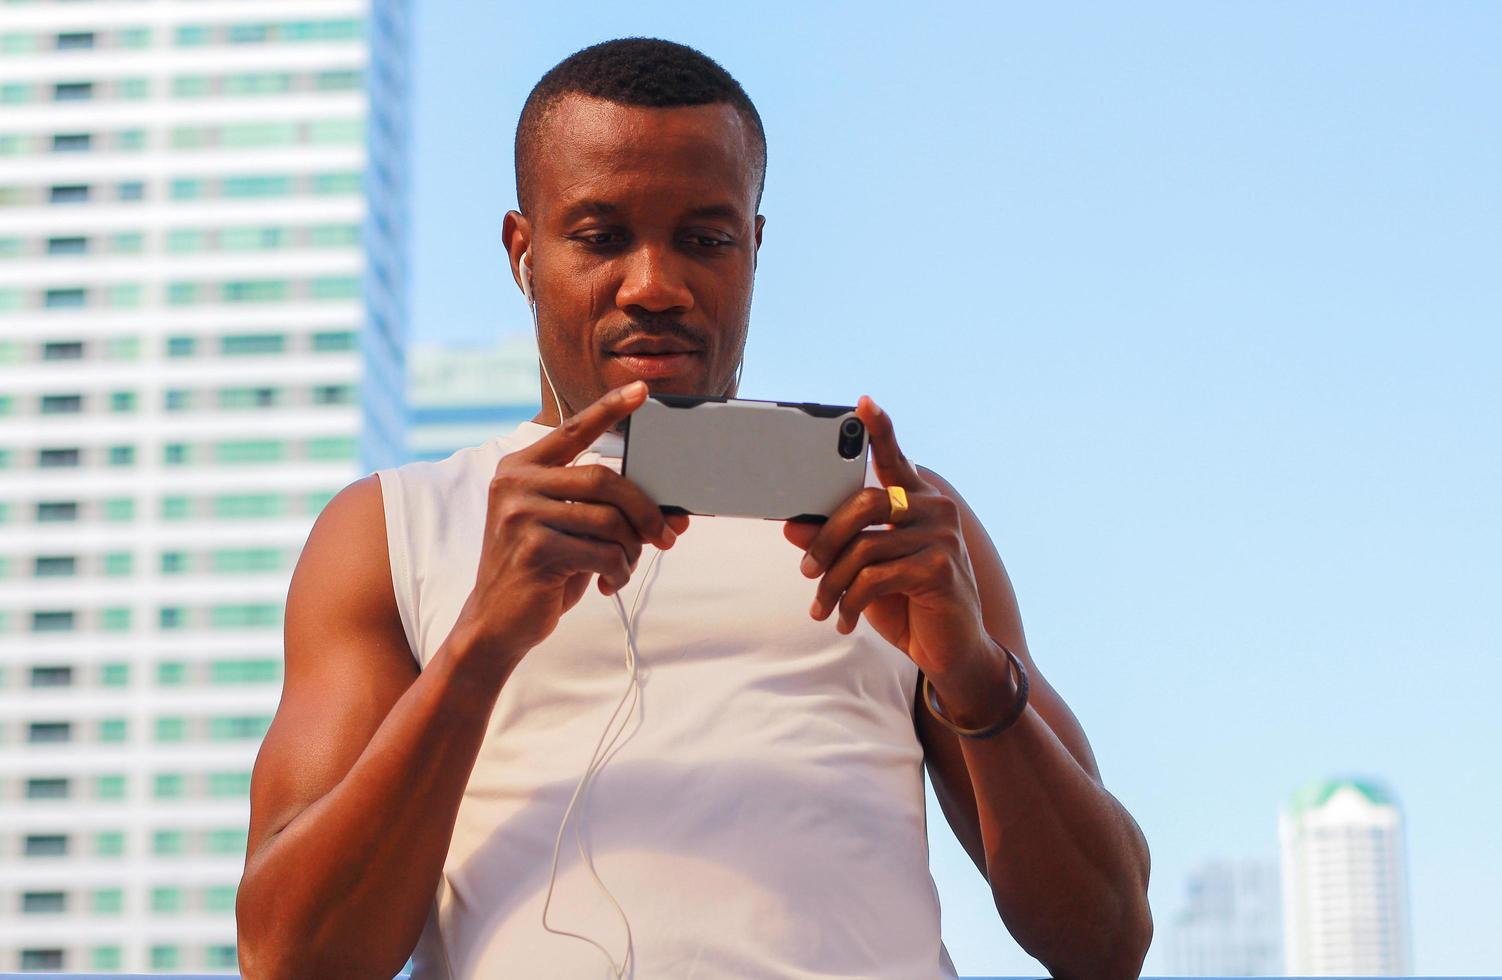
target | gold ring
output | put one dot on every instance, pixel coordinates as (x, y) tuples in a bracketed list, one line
[(897, 497)]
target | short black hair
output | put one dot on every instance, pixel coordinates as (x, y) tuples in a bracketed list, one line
[(634, 71)]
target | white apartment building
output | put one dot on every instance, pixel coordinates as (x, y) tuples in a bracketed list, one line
[(1345, 889), (201, 330)]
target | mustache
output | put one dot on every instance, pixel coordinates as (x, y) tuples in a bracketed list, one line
[(653, 325)]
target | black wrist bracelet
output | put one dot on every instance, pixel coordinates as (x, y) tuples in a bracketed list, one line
[(931, 700)]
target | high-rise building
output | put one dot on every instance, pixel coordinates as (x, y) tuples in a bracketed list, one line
[(1345, 891), (1230, 925), (201, 330), (463, 396)]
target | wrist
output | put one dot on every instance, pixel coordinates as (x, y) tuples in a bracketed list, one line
[(476, 662), (978, 688)]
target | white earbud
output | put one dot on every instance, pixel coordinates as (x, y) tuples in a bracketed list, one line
[(526, 273)]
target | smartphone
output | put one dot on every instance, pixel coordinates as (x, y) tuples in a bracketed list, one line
[(735, 457)]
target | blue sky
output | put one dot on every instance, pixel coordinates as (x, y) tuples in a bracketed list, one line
[(1199, 306)]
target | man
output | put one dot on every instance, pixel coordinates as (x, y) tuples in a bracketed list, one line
[(448, 666)]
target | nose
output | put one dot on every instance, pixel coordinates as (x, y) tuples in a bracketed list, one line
[(652, 282)]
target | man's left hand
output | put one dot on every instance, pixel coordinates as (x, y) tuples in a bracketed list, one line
[(912, 580)]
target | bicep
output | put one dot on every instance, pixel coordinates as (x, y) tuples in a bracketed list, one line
[(347, 661)]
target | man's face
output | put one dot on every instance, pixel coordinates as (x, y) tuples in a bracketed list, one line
[(643, 234)]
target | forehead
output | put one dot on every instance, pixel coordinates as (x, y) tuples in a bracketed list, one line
[(591, 150)]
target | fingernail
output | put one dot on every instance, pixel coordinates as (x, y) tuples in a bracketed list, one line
[(810, 566), (635, 388), (668, 537), (816, 610)]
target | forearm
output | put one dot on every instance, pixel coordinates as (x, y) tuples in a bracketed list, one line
[(1067, 864), (345, 887)]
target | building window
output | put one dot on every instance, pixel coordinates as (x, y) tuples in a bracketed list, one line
[(238, 727), (174, 562), (110, 787), (122, 455), (49, 732), (249, 450), (332, 447), (113, 730), (57, 458), (186, 189), (122, 401), (122, 348), (71, 142), (117, 563), (254, 291), (48, 788), (53, 511), (226, 841), (172, 617), (171, 673), (114, 675), (224, 785), (61, 404), (219, 898), (68, 194), (52, 677), (254, 343), (65, 299), (167, 786), (44, 903), (177, 399), (221, 957), (175, 453), (243, 615), (247, 397), (105, 959), (75, 40), (175, 508), (333, 394), (333, 340), (131, 190), (114, 620), (245, 671), (335, 287), (259, 186), (167, 842), (180, 346), (163, 957), (52, 621), (54, 566), (72, 91), (120, 509), (46, 845), (41, 959), (62, 350), (108, 901), (241, 505), (74, 245)]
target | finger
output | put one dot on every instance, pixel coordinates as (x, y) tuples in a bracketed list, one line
[(874, 581), (892, 468), (800, 533), (563, 444), (567, 554), (599, 522), (870, 548), (678, 522), (859, 511), (602, 485)]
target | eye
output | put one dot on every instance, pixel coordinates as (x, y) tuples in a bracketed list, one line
[(708, 241)]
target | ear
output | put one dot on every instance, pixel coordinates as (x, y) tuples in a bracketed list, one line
[(761, 221), (516, 235)]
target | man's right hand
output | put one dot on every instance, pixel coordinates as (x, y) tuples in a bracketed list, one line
[(549, 526)]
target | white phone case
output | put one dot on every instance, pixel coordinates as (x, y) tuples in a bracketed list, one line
[(734, 457)]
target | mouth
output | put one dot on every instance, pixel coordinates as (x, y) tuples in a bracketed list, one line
[(647, 357)]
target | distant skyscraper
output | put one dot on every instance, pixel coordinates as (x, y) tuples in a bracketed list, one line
[(1345, 890), (201, 330), (463, 396), (1231, 923)]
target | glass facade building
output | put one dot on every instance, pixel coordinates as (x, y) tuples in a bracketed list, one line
[(202, 279)]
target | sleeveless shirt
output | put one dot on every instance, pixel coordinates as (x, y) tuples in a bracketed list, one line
[(765, 818)]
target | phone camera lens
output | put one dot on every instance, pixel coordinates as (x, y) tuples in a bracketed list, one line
[(852, 437)]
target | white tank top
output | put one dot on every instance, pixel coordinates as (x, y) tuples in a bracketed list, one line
[(765, 819)]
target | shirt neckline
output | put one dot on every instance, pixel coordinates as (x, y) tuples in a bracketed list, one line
[(610, 444)]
